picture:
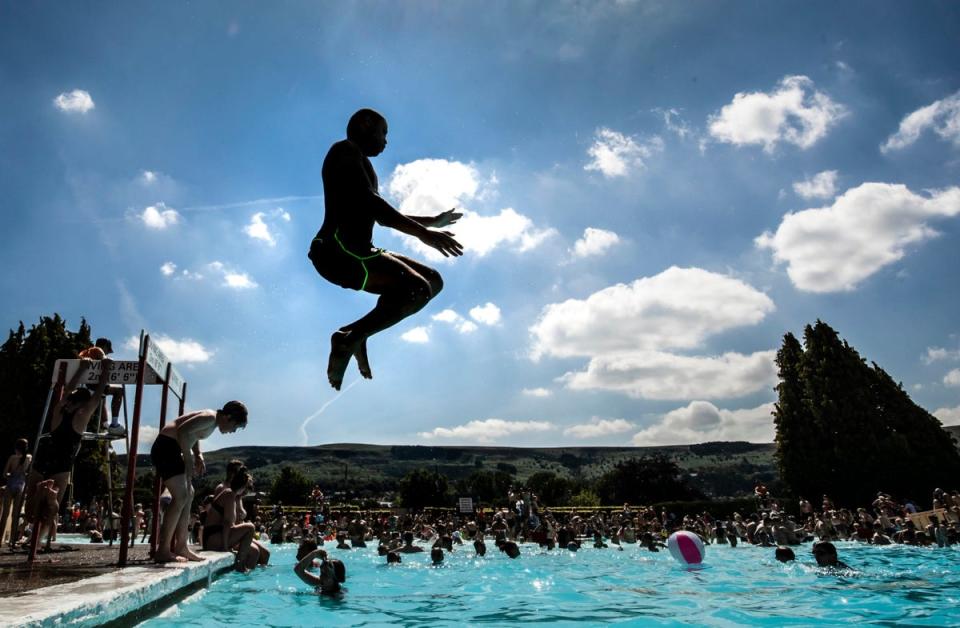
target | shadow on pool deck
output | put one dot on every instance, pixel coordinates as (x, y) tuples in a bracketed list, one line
[(62, 565)]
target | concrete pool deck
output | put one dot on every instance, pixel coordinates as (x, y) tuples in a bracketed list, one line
[(93, 597)]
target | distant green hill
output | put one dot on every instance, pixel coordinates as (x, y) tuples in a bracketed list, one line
[(719, 469)]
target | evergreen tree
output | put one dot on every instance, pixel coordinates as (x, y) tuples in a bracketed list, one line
[(848, 430), (291, 487), (645, 480), (422, 488)]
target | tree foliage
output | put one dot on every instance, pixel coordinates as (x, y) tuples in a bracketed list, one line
[(422, 488), (485, 486), (847, 429), (290, 487), (644, 481), (551, 489)]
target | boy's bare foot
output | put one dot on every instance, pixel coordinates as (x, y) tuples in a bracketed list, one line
[(363, 362), (340, 353), (168, 557), (189, 555)]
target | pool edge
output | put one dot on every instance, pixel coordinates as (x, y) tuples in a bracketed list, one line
[(104, 598)]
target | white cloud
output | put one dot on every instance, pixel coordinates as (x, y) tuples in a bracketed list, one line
[(943, 116), (168, 268), (676, 309), (795, 112), (258, 230), (948, 416), (594, 242), (952, 378), (675, 123), (460, 323), (232, 278), (936, 354), (183, 351), (702, 421), (159, 216), (660, 375), (487, 430), (822, 185), (417, 335), (598, 427), (536, 392), (429, 186), (617, 155), (147, 177), (76, 101), (488, 314), (830, 249)]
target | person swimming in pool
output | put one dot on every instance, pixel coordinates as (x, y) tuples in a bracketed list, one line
[(332, 571), (343, 252)]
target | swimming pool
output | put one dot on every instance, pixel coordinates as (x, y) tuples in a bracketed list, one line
[(736, 586)]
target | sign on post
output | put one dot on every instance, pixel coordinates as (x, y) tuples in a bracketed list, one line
[(158, 360), (466, 504)]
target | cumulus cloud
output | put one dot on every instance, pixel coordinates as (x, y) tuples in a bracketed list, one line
[(168, 268), (461, 324), (488, 314), (662, 375), (937, 354), (487, 430), (77, 101), (794, 112), (259, 229), (594, 242), (232, 278), (159, 216), (536, 392), (614, 154), (943, 116), (429, 186), (418, 335), (185, 351), (598, 427), (948, 416), (148, 177), (952, 378), (676, 309), (821, 185), (702, 421), (831, 249)]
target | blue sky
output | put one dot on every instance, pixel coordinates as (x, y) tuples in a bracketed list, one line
[(654, 193)]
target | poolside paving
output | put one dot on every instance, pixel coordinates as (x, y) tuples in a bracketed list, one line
[(84, 586)]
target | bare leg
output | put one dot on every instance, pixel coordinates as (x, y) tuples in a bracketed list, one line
[(363, 362), (177, 485), (182, 536), (404, 286)]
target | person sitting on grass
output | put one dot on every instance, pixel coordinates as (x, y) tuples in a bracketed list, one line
[(176, 456)]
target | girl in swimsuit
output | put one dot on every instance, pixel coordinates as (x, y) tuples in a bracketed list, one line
[(15, 473), (223, 533)]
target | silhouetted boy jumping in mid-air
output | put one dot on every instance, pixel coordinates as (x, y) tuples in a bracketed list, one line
[(343, 251)]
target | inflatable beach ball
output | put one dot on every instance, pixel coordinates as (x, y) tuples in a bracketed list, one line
[(686, 548)]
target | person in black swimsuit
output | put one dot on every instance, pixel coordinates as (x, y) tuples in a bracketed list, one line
[(69, 419), (176, 457), (343, 252)]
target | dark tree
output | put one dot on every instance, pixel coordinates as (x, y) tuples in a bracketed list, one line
[(551, 489), (290, 487), (645, 480), (486, 486), (26, 366), (848, 430), (421, 488)]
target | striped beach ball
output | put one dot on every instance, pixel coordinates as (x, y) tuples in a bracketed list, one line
[(686, 548)]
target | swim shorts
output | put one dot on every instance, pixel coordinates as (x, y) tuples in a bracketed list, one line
[(167, 457), (341, 266)]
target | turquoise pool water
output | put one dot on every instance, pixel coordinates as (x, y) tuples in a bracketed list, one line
[(737, 586)]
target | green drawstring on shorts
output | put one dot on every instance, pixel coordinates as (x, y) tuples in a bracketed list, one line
[(360, 258)]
